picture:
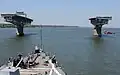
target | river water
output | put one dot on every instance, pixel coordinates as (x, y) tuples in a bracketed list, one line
[(75, 48)]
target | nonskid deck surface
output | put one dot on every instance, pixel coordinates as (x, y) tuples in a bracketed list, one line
[(41, 67)]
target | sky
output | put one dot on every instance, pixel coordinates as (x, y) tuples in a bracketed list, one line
[(65, 12)]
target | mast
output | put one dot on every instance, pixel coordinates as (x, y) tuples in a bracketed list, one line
[(41, 44)]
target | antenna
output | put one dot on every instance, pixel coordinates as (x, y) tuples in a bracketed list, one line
[(41, 37)]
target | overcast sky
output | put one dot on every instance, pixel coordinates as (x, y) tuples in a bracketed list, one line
[(67, 12)]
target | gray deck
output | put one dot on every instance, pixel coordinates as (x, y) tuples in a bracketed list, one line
[(40, 69)]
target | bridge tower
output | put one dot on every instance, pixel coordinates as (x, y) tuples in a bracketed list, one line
[(98, 22), (19, 19)]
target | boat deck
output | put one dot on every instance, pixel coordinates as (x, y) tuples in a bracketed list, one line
[(39, 69), (41, 65)]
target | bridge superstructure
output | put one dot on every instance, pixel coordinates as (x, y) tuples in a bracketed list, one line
[(98, 22), (19, 19)]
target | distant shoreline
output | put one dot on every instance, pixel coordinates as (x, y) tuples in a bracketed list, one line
[(37, 26), (31, 26)]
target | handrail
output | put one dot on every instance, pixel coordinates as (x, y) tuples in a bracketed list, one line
[(19, 62), (53, 68)]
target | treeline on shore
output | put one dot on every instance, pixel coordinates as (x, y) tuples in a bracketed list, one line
[(31, 26)]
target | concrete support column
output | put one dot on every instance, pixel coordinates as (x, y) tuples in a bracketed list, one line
[(19, 31), (98, 30)]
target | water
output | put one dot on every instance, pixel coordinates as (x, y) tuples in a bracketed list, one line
[(76, 49)]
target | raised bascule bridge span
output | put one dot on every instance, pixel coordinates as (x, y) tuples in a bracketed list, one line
[(19, 19), (98, 22)]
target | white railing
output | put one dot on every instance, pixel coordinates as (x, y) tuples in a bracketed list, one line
[(53, 69), (19, 62)]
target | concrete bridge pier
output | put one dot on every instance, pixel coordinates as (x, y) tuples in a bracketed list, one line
[(98, 22), (20, 30), (19, 19), (97, 30)]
